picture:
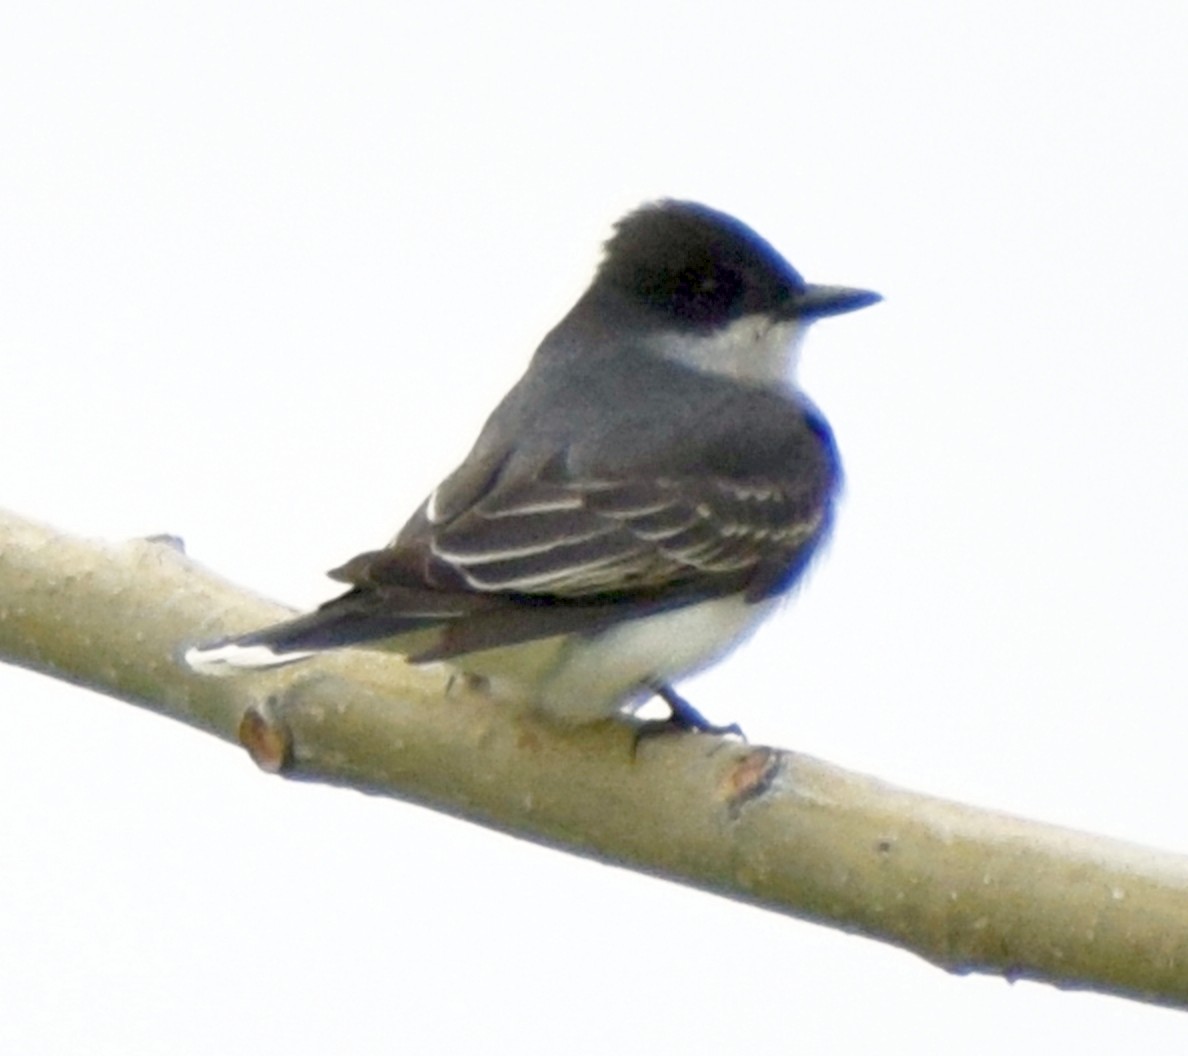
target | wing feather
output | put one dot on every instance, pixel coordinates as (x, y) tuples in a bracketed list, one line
[(579, 539)]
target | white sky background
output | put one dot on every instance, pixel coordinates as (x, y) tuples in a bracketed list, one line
[(264, 270)]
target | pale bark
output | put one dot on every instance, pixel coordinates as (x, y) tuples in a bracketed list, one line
[(965, 888)]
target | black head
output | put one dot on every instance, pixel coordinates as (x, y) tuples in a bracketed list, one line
[(703, 269)]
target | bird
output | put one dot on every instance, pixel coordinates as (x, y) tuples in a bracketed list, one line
[(635, 506)]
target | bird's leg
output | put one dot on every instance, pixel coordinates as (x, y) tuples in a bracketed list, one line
[(683, 716)]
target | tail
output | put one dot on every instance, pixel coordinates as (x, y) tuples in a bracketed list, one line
[(424, 625), (353, 619)]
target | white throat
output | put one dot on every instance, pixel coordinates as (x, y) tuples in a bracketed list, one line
[(755, 349)]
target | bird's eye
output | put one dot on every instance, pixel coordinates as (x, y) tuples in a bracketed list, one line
[(709, 297), (703, 291)]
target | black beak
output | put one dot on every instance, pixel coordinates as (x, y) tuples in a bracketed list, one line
[(818, 301)]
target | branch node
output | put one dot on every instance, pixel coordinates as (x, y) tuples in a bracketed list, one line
[(266, 738), (752, 774)]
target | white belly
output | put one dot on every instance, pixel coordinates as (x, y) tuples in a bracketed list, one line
[(585, 679)]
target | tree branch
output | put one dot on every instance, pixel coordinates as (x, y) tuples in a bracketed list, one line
[(964, 888)]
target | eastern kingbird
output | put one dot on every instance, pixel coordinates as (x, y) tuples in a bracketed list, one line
[(635, 506)]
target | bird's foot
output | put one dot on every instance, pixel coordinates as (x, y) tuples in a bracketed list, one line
[(683, 717)]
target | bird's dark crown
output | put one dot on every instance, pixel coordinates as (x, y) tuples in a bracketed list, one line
[(701, 267)]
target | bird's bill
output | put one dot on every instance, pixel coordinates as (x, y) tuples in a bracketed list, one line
[(818, 301)]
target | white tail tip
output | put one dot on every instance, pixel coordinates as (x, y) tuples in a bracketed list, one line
[(231, 659)]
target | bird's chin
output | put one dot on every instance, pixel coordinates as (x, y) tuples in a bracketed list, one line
[(754, 350)]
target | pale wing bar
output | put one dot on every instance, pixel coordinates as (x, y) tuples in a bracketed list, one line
[(597, 537)]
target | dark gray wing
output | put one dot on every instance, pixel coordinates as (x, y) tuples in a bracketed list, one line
[(547, 558), (602, 496), (579, 539)]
